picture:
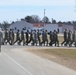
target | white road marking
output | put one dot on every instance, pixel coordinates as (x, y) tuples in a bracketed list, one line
[(18, 64)]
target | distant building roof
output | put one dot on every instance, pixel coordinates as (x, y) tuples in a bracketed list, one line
[(20, 25)]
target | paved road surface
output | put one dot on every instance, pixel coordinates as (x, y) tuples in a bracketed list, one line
[(14, 60)]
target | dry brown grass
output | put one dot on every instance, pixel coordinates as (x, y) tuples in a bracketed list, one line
[(60, 38), (64, 56)]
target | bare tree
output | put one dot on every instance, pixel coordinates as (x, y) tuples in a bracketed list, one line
[(5, 25), (28, 19), (45, 19), (36, 18), (53, 21)]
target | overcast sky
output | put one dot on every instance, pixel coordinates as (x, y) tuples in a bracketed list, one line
[(61, 10)]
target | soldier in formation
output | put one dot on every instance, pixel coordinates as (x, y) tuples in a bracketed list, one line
[(54, 38), (69, 38), (65, 37), (39, 39), (6, 36)]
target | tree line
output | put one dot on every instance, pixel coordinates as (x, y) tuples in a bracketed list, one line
[(37, 19)]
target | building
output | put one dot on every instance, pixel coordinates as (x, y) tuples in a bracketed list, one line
[(49, 27), (21, 25), (68, 27)]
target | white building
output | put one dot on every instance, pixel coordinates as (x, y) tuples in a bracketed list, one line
[(52, 27), (68, 27), (49, 27), (20, 25)]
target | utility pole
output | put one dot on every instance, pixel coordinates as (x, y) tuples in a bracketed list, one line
[(75, 5), (44, 19)]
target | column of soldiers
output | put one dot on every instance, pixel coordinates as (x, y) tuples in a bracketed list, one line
[(69, 38), (37, 38)]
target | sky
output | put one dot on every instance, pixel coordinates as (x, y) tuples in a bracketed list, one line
[(60, 10)]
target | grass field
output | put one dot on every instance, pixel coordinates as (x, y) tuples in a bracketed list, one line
[(67, 53), (64, 56), (60, 38)]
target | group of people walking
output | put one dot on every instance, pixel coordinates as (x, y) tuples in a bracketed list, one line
[(69, 38), (38, 38)]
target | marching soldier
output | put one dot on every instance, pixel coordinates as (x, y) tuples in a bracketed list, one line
[(69, 38), (22, 37), (35, 38), (10, 37), (65, 37), (51, 38), (27, 37), (43, 38), (46, 37), (31, 37), (6, 37), (1, 36), (55, 36), (73, 39), (17, 37), (38, 36)]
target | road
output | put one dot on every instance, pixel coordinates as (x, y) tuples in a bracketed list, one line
[(15, 60)]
